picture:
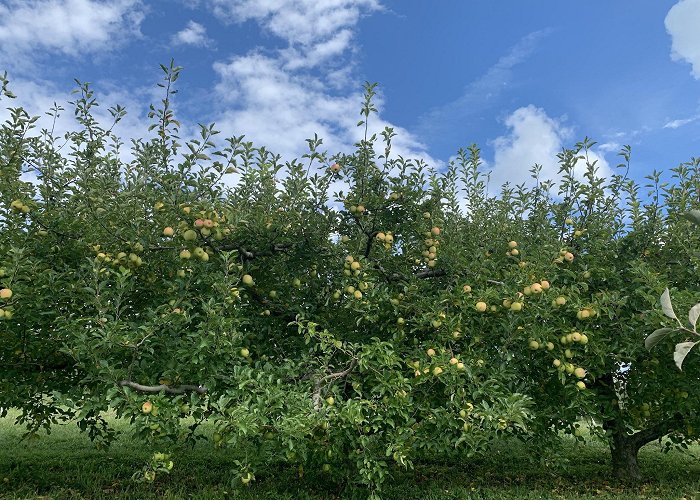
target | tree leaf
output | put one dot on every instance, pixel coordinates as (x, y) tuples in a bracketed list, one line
[(666, 305), (682, 350), (693, 314), (693, 216), (657, 337)]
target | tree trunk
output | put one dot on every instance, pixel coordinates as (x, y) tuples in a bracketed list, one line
[(624, 450)]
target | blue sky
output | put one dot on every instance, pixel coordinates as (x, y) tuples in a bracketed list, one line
[(520, 79)]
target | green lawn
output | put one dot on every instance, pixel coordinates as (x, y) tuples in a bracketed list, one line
[(64, 465)]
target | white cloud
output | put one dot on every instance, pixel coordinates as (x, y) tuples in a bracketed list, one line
[(315, 30), (682, 23), (280, 110), (279, 99), (534, 137), (70, 27), (194, 34)]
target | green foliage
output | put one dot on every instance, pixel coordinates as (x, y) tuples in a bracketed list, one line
[(342, 331)]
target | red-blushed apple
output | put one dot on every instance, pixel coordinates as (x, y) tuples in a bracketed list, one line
[(5, 294)]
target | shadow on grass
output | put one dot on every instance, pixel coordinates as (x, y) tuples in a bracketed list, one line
[(65, 465)]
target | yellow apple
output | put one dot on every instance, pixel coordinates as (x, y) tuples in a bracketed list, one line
[(244, 352), (516, 306), (247, 280), (147, 407), (5, 293), (512, 244), (467, 289), (480, 306), (437, 371), (185, 254), (430, 352)]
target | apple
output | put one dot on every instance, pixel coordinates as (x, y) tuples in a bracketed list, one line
[(245, 352), (569, 221), (345, 238), (534, 345), (435, 231), (185, 254), (426, 215), (437, 371), (430, 352), (568, 353), (147, 407), (536, 288), (246, 478), (556, 363), (460, 366), (584, 339), (180, 273), (544, 284), (454, 361), (330, 401), (208, 223), (512, 244), (580, 372), (5, 293), (326, 468), (516, 306), (273, 294), (335, 168), (189, 235), (381, 236), (389, 238), (400, 321), (580, 385), (578, 234), (569, 257), (357, 294), (467, 289), (355, 266), (199, 223), (515, 252), (480, 306), (205, 231), (247, 280), (560, 301), (550, 346), (527, 290), (456, 334)]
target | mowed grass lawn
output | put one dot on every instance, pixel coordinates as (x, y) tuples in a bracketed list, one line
[(65, 465)]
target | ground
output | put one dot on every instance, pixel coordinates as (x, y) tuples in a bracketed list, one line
[(64, 465)]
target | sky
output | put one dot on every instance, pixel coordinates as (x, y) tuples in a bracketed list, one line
[(522, 80)]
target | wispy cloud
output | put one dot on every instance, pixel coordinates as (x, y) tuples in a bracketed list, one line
[(682, 23), (31, 28), (193, 34), (680, 122), (480, 94)]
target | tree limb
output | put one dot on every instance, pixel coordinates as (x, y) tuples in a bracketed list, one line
[(178, 389), (316, 396)]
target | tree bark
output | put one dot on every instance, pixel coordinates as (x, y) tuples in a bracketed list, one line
[(624, 447), (624, 450)]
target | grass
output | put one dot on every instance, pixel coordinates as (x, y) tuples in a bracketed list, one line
[(65, 465)]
